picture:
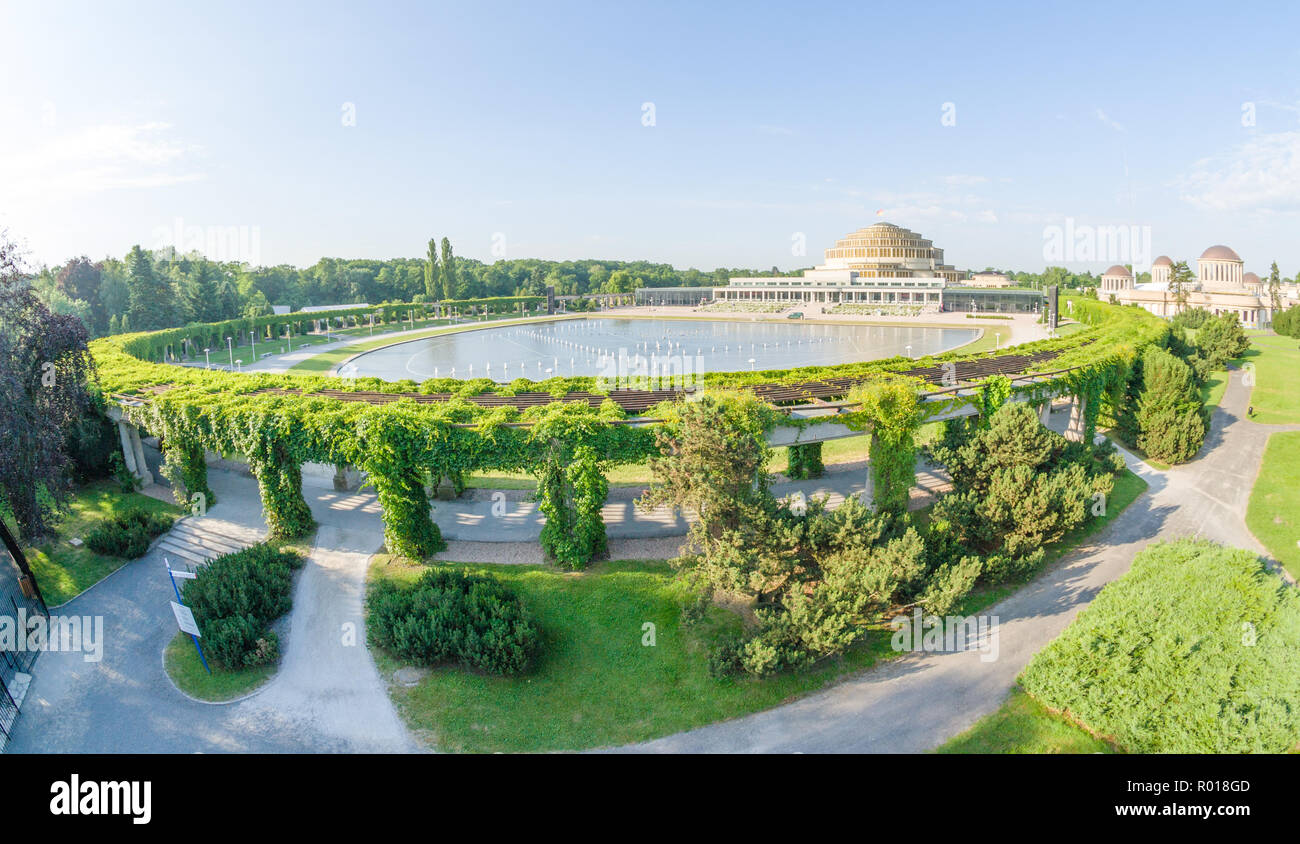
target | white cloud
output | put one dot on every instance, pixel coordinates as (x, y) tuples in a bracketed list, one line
[(1104, 118), (1262, 174), (93, 159), (965, 179)]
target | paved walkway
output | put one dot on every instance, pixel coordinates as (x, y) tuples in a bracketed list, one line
[(917, 702), (327, 696)]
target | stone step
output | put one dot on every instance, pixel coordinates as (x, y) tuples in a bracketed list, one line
[(190, 553), (220, 543)]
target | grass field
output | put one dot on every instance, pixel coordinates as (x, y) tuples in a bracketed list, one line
[(1023, 725), (834, 452), (181, 661), (1276, 360), (598, 685), (1274, 511), (62, 570)]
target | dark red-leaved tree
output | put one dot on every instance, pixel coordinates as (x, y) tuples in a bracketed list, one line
[(45, 373)]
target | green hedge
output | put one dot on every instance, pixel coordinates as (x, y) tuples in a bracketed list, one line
[(127, 535), (450, 616), (567, 446), (1195, 650), (235, 597)]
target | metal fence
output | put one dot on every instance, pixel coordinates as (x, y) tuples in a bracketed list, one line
[(21, 600)]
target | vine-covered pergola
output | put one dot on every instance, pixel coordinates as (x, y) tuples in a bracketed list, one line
[(568, 432)]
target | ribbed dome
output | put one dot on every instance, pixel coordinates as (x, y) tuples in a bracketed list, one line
[(1219, 253), (1120, 271), (1162, 261), (1250, 278)]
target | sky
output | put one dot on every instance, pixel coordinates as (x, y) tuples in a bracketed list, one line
[(698, 134)]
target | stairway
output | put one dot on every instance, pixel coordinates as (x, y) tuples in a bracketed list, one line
[(193, 542)]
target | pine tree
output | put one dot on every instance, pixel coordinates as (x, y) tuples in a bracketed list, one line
[(431, 282), (152, 299), (448, 271), (1275, 288)]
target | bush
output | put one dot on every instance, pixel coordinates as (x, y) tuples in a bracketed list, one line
[(450, 616), (128, 535), (1170, 417), (236, 596), (1016, 487), (1193, 651), (1220, 340)]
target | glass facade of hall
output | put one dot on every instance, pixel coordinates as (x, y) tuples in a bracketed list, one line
[(994, 300)]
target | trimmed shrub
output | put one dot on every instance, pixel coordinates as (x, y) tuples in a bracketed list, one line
[(450, 616), (128, 535), (236, 596), (1193, 651), (1170, 418)]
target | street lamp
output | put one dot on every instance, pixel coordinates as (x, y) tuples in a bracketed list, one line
[(751, 364), (207, 362), (253, 341), (909, 351), (239, 365), (231, 350), (997, 340)]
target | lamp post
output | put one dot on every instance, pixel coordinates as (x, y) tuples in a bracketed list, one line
[(231, 350), (239, 365), (997, 340), (909, 351), (207, 362), (252, 339)]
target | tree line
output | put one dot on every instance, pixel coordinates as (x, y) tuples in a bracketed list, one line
[(149, 290)]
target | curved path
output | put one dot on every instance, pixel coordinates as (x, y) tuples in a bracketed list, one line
[(328, 696), (916, 702)]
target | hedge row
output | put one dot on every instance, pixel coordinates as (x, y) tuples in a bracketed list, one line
[(567, 446)]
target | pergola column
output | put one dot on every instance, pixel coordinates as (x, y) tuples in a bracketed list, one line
[(1045, 413), (133, 453), (869, 492), (1074, 431)]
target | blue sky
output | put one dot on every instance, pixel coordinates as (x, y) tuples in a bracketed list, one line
[(522, 125)]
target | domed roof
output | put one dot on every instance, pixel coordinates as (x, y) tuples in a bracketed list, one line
[(1219, 253), (1119, 270), (1162, 261), (1250, 278)]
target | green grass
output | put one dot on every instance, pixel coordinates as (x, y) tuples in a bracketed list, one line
[(1274, 397), (1274, 511), (596, 684), (1192, 651), (64, 571), (325, 361), (1023, 725), (1213, 388), (181, 661), (834, 452)]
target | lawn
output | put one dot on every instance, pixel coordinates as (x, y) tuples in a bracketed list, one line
[(1023, 725), (181, 661), (325, 361), (1274, 511), (1193, 650), (596, 683), (62, 570), (1276, 360), (834, 452)]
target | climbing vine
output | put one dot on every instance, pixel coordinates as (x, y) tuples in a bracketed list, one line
[(892, 410)]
